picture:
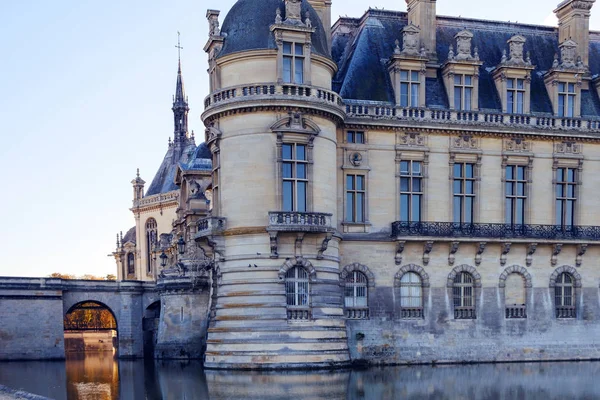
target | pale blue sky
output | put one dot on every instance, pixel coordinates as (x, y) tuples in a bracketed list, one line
[(86, 90)]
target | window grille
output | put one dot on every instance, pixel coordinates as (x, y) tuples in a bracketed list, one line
[(409, 88), (464, 193), (293, 62), (295, 177), (566, 99), (355, 198), (411, 296), (516, 195), (514, 297), (411, 191), (297, 292), (566, 196), (564, 296), (356, 296), (463, 92), (463, 296), (515, 95)]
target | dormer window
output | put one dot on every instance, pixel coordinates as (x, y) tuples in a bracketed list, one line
[(515, 96), (463, 92), (409, 88), (566, 99), (293, 62), (407, 69)]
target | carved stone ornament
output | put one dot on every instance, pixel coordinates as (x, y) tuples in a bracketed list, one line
[(213, 23), (516, 45), (530, 252), (464, 143), (410, 40), (399, 251), (585, 5), (505, 250), (463, 46), (293, 10), (568, 148), (452, 252), (356, 159), (412, 140), (427, 247), (517, 145), (479, 253), (556, 249), (581, 250), (278, 19)]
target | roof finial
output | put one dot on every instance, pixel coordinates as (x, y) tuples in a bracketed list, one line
[(179, 48), (138, 173)]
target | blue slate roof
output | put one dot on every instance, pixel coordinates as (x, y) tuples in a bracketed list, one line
[(201, 160), (362, 57), (247, 26)]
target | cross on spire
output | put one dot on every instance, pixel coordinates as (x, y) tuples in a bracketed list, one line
[(179, 48)]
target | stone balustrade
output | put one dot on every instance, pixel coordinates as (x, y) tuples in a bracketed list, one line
[(298, 313), (411, 313), (566, 312), (211, 226), (156, 199), (516, 311), (379, 111), (293, 221), (464, 313), (357, 313)]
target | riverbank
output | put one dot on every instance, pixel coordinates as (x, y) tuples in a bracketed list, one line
[(7, 393)]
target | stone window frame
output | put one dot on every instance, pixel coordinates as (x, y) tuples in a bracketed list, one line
[(411, 64), (357, 312), (302, 37), (464, 157), (573, 162), (299, 314), (409, 314), (130, 262), (528, 285), (577, 290), (416, 154), (365, 191), (519, 160), (354, 131), (552, 82), (213, 139), (149, 241), (506, 73), (477, 287)]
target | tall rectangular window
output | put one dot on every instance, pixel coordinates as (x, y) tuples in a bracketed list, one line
[(409, 88), (566, 196), (515, 96), (355, 137), (566, 99), (355, 198), (293, 62), (295, 177), (411, 191), (463, 92), (515, 194), (464, 193)]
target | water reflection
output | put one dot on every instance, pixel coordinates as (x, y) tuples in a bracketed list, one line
[(99, 376)]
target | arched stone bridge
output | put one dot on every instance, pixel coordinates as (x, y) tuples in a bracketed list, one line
[(32, 312)]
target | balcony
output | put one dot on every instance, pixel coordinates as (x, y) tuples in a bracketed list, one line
[(516, 312), (292, 221), (495, 231), (210, 226)]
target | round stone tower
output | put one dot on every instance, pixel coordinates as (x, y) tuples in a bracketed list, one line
[(271, 123)]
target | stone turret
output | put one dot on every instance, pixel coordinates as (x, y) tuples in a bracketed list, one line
[(574, 24), (138, 186)]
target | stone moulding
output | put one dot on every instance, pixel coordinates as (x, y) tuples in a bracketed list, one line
[(297, 262), (348, 269), (568, 269), (515, 269), (417, 269), (464, 268)]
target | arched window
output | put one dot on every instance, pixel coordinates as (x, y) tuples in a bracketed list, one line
[(355, 296), (463, 296), (514, 296), (151, 240), (130, 264), (564, 296), (411, 295), (297, 293)]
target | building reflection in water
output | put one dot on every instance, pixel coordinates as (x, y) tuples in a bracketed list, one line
[(99, 376)]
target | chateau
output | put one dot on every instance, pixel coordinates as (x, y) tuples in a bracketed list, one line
[(402, 187)]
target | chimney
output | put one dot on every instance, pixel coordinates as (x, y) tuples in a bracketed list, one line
[(323, 9), (574, 23), (422, 14)]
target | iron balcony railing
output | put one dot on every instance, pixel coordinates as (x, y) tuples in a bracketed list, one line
[(495, 231)]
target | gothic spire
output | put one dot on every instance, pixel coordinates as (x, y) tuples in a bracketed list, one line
[(180, 103)]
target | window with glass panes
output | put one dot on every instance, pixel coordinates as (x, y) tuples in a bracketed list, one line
[(355, 198), (293, 62), (411, 296), (297, 287), (463, 92), (355, 137), (411, 190), (515, 96), (130, 264), (516, 195), (566, 196), (463, 296), (409, 88), (295, 177), (564, 296), (566, 99), (355, 290), (464, 193)]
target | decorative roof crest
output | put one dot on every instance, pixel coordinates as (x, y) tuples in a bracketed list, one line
[(293, 10), (410, 40), (213, 23), (463, 46)]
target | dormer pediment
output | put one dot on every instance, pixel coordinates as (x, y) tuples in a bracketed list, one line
[(296, 122)]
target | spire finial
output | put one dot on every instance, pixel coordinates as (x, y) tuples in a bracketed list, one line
[(179, 48), (138, 173)]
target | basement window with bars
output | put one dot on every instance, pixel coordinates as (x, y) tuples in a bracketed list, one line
[(411, 296), (463, 294), (297, 293), (564, 296), (356, 296)]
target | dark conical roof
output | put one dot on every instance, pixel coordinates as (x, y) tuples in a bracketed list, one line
[(247, 26)]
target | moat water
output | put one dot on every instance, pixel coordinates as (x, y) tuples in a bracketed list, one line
[(100, 376)]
